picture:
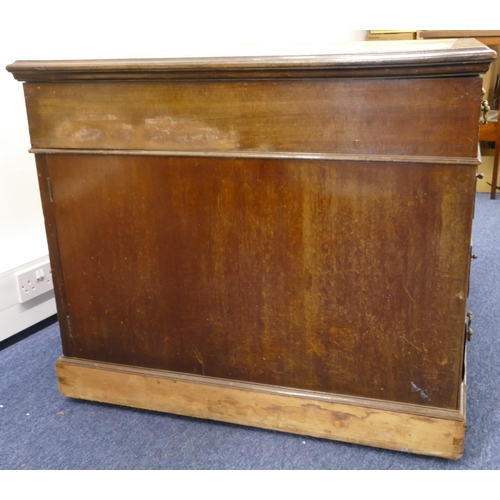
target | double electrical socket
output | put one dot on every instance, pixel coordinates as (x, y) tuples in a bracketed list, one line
[(34, 281)]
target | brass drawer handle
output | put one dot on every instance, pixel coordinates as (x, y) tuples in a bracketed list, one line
[(469, 331), (485, 108)]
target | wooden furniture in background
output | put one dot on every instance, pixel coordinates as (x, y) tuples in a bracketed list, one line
[(392, 35), (490, 132), (266, 241), (488, 37)]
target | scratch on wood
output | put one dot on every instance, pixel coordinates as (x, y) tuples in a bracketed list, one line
[(408, 293), (415, 388), (418, 267), (412, 273), (199, 358), (413, 345), (315, 348)]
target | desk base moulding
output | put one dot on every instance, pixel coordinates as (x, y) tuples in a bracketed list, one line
[(395, 426)]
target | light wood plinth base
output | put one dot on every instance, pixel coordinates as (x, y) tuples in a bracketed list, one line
[(383, 424)]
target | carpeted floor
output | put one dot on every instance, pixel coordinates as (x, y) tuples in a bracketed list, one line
[(40, 429)]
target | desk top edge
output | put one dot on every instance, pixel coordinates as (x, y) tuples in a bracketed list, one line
[(374, 58)]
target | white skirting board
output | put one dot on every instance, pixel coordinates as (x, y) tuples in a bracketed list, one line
[(16, 317)]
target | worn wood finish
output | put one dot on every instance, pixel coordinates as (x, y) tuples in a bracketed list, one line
[(355, 420), (53, 244), (320, 116), (279, 242), (278, 272)]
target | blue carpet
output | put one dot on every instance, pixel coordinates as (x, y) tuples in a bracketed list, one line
[(40, 429)]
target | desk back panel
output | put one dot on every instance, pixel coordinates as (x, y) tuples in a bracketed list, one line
[(343, 277)]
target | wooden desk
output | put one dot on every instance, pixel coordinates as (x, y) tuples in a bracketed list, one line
[(277, 242), (488, 37)]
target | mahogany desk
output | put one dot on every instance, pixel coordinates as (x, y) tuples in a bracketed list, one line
[(281, 242)]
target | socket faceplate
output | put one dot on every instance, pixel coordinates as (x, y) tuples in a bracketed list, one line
[(34, 281)]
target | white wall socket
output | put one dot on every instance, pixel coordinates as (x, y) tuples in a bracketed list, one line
[(34, 281)]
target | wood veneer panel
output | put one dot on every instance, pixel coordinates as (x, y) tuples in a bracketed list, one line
[(419, 117), (341, 277), (53, 244)]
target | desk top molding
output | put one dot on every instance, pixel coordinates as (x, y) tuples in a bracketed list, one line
[(365, 59)]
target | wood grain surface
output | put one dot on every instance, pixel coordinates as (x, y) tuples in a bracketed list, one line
[(355, 420), (419, 117), (340, 277)]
